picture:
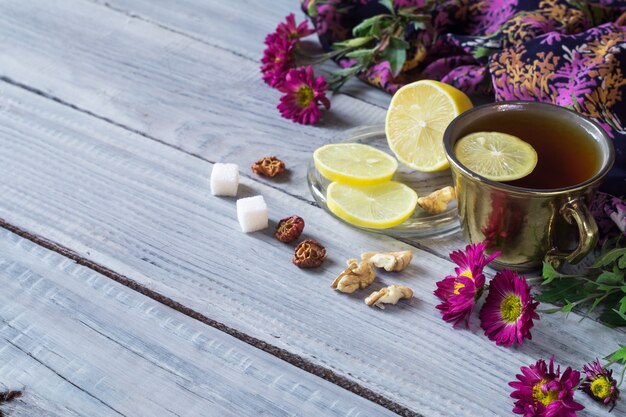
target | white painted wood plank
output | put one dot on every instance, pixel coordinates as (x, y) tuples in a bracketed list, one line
[(83, 345), (144, 210), (239, 26), (199, 98), (181, 91)]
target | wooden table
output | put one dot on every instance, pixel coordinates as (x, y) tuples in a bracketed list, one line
[(128, 289)]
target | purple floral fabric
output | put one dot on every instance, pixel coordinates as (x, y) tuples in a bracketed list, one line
[(610, 215)]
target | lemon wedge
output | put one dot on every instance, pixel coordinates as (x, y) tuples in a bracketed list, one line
[(354, 164), (496, 156), (375, 206), (418, 115)]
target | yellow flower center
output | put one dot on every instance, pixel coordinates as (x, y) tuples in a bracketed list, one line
[(601, 387), (546, 398), (457, 287), (468, 274), (304, 96), (510, 308)]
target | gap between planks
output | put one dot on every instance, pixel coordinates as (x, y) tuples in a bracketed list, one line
[(280, 353)]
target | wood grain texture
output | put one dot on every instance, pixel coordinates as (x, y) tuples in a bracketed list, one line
[(144, 210), (196, 97), (83, 345), (239, 26), (201, 99)]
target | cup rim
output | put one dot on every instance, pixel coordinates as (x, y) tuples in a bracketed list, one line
[(602, 172)]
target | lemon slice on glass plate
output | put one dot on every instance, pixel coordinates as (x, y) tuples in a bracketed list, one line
[(375, 206), (496, 156), (354, 164), (417, 117)]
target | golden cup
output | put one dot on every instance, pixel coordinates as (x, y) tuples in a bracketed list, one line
[(531, 224)]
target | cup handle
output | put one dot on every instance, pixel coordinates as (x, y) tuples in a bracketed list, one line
[(576, 210)]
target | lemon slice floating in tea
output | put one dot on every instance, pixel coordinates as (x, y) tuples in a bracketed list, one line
[(418, 115), (354, 164), (496, 156), (375, 206)]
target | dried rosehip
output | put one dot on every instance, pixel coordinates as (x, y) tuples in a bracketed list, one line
[(309, 254), (270, 166), (289, 229)]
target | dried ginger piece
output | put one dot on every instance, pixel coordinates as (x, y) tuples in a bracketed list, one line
[(437, 201), (389, 295), (357, 275), (390, 261)]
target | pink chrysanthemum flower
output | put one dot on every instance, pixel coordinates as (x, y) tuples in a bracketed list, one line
[(543, 392), (303, 94), (600, 384), (277, 59), (508, 313), (289, 30), (459, 293), (278, 56), (472, 261)]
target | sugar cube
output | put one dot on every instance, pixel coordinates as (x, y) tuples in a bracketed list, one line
[(224, 179), (252, 213)]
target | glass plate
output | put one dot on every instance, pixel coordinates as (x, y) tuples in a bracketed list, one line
[(421, 223)]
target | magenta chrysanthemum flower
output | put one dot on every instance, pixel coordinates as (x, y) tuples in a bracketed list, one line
[(459, 293), (278, 55), (303, 94), (543, 392), (289, 30), (600, 384), (508, 313), (277, 59), (472, 261)]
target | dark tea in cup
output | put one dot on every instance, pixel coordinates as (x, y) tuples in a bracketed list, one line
[(566, 153)]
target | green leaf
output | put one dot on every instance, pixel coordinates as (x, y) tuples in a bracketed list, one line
[(312, 9), (606, 288), (564, 290), (396, 58), (567, 308), (481, 52), (352, 43), (358, 53), (365, 27), (622, 315), (344, 72), (419, 25), (622, 305), (399, 43), (609, 257), (549, 273), (619, 356), (596, 301), (622, 262), (388, 4), (610, 278), (407, 11), (610, 315)]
